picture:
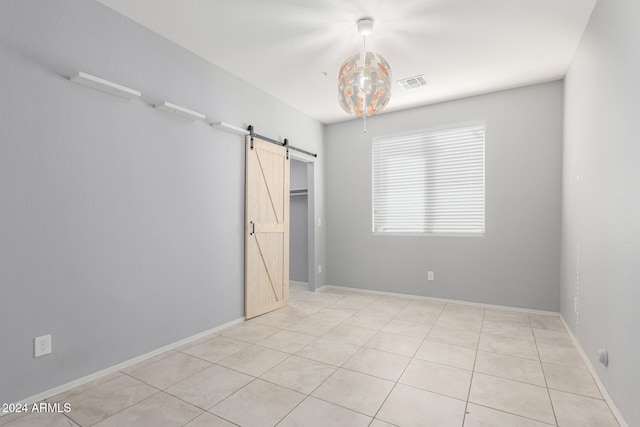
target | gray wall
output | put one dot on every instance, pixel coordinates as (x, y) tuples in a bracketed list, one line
[(601, 203), (298, 174), (299, 221), (517, 263), (121, 227)]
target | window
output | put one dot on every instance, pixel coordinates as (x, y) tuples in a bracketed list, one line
[(430, 182)]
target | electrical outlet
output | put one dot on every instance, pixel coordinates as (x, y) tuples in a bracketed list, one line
[(42, 345), (319, 268), (430, 276)]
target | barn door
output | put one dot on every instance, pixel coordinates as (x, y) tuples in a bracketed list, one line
[(267, 227)]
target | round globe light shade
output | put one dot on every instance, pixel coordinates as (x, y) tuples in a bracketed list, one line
[(364, 87)]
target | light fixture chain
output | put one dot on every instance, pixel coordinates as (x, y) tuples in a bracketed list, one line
[(363, 82)]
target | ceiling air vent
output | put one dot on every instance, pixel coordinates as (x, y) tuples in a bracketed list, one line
[(413, 82)]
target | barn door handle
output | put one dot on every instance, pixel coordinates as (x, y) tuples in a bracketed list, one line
[(253, 228)]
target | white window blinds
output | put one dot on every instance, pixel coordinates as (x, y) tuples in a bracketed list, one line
[(431, 182)]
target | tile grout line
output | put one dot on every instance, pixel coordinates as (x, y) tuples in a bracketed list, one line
[(127, 407), (289, 356), (515, 415), (473, 371), (405, 368), (326, 379), (412, 358), (553, 409), (342, 367)]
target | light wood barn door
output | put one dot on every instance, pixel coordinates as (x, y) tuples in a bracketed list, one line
[(267, 227)]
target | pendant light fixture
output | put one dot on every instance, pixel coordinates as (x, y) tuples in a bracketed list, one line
[(364, 80)]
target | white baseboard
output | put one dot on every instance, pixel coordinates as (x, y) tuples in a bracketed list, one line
[(92, 377), (614, 409), (445, 300), (297, 283)]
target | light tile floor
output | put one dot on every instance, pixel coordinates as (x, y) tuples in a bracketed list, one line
[(341, 358)]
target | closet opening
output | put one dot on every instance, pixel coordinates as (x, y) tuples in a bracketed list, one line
[(301, 222)]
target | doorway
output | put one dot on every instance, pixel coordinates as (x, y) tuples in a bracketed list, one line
[(301, 222)]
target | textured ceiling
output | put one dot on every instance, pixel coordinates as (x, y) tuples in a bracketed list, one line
[(292, 49)]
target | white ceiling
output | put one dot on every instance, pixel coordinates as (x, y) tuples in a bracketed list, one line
[(292, 49)]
